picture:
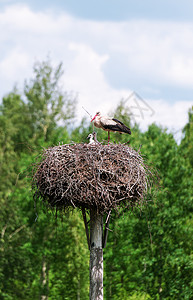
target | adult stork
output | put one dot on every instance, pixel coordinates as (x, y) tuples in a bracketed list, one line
[(109, 124)]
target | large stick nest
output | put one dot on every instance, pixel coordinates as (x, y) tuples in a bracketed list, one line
[(103, 177)]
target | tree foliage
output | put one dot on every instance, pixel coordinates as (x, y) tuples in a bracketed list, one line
[(149, 251)]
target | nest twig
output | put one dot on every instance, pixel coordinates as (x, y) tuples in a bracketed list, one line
[(103, 177)]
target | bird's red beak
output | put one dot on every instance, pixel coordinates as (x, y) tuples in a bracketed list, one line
[(93, 118)]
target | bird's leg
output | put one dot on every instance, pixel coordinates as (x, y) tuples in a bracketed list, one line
[(108, 137)]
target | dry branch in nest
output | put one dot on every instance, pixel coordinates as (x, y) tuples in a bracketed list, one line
[(103, 177)]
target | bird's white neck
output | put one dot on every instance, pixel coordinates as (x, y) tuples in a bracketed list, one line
[(91, 141)]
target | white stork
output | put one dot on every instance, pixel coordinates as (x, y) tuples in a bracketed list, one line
[(92, 138), (109, 124)]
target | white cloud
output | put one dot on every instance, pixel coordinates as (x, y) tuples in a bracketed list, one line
[(13, 65), (160, 52), (173, 116), (14, 68), (19, 18), (85, 75), (170, 115)]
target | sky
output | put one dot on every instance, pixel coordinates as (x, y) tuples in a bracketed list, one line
[(138, 51)]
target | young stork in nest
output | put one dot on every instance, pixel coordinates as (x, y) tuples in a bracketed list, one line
[(92, 138), (109, 124)]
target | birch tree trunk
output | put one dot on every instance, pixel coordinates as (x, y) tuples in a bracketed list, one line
[(96, 256)]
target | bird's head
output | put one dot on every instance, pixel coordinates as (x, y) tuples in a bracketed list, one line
[(97, 115), (89, 136)]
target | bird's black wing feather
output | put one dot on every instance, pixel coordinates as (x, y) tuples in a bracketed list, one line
[(111, 127), (120, 127), (118, 121)]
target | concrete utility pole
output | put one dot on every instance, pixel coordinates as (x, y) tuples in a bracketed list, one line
[(96, 255)]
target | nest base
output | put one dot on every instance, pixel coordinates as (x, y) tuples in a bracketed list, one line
[(103, 177)]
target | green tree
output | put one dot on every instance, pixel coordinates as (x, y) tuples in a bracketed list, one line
[(186, 145), (27, 123), (150, 251), (47, 104), (148, 255)]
